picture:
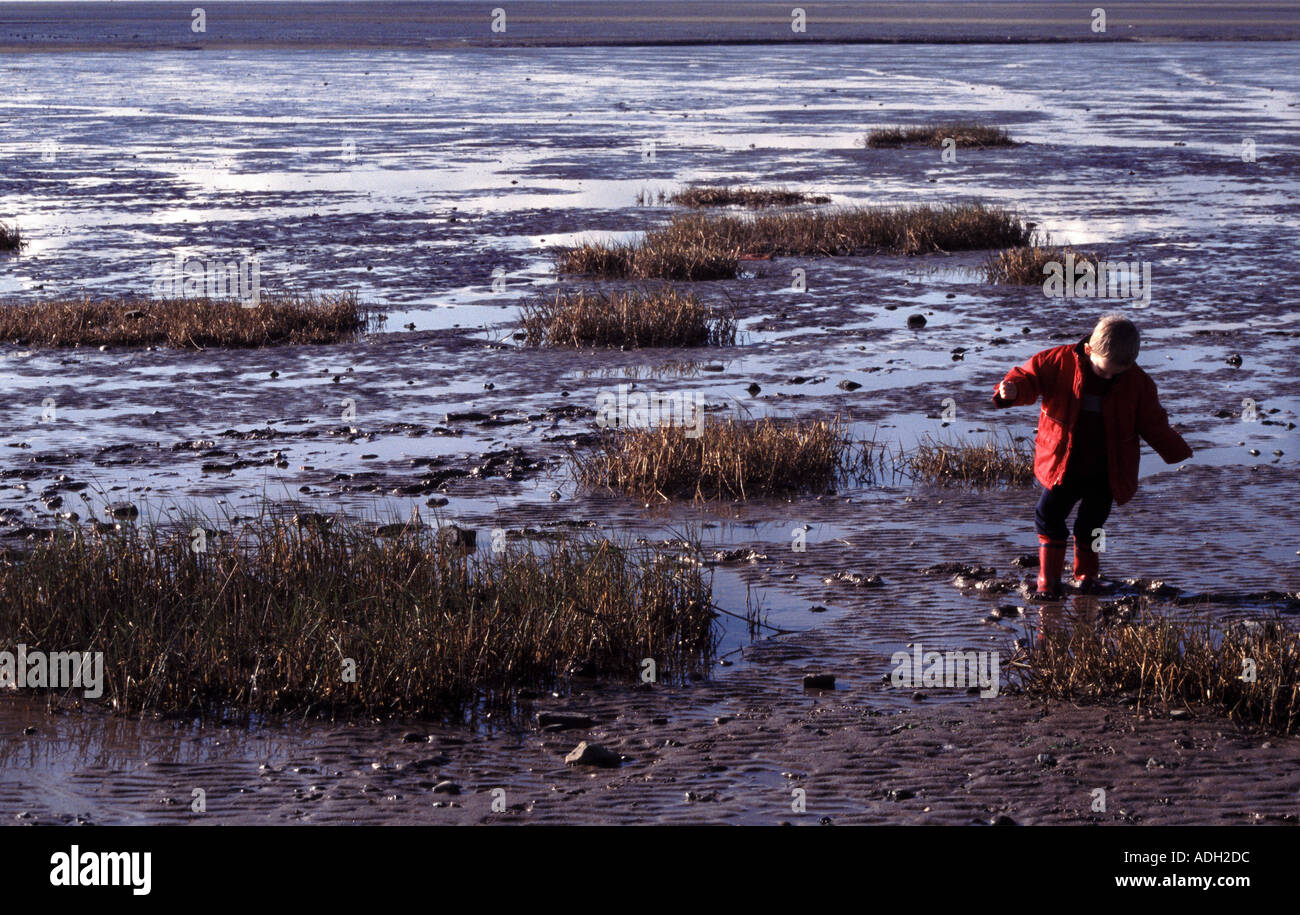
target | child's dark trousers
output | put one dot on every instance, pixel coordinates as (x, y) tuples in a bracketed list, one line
[(1092, 492)]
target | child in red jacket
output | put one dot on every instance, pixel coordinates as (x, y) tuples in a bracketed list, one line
[(1096, 403)]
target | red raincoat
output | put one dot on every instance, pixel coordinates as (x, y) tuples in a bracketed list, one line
[(1130, 409)]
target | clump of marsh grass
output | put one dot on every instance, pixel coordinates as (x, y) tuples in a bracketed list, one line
[(310, 613), (961, 461), (670, 253), (971, 136), (185, 323), (11, 238), (1024, 266), (732, 458), (630, 318), (1176, 662), (709, 246), (752, 197)]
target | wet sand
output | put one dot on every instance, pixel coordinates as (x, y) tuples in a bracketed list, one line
[(375, 25)]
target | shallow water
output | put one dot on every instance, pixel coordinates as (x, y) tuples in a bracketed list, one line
[(1132, 150)]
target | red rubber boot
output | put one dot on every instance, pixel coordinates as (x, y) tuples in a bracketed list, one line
[(1087, 567), (1051, 562)]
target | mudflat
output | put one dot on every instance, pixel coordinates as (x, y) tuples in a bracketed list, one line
[(374, 25)]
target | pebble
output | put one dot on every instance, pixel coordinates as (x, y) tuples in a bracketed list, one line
[(592, 754)]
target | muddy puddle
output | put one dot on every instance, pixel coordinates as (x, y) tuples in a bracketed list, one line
[(437, 187)]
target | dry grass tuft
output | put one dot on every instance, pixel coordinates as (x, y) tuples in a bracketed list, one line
[(752, 197), (970, 136), (711, 246), (1024, 265), (185, 323), (272, 616), (1182, 663), (11, 238), (630, 318), (732, 459), (978, 463)]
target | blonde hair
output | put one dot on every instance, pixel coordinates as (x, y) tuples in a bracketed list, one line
[(1116, 338)]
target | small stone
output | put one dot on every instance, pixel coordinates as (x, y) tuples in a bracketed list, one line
[(1045, 760), (818, 681), (446, 787), (916, 322), (1234, 360), (753, 389), (459, 537), (848, 385), (591, 754)]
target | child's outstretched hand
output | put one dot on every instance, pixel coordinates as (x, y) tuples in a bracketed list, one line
[(1007, 390)]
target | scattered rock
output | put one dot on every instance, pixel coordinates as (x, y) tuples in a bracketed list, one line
[(916, 321), (818, 681), (591, 754), (446, 787), (459, 537), (1045, 760), (856, 579), (848, 385), (738, 555)]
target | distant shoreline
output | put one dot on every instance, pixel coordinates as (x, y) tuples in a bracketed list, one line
[(451, 24)]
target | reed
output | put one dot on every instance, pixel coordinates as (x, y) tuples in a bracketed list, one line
[(289, 613), (187, 323)]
